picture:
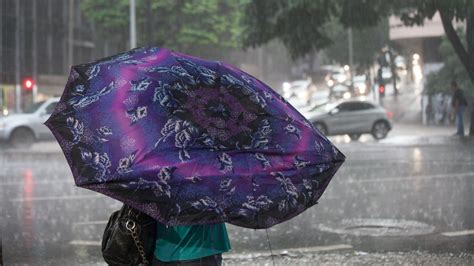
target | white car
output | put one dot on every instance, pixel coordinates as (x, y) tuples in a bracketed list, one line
[(351, 117), (22, 130)]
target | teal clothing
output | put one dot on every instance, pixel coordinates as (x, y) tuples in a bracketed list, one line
[(178, 243)]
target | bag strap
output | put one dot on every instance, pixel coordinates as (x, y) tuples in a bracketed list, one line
[(132, 227)]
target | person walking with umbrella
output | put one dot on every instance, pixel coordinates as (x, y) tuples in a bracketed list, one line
[(191, 143), (191, 245)]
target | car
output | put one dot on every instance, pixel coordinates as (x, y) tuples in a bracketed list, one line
[(361, 85), (335, 75), (340, 91), (351, 117), (23, 129)]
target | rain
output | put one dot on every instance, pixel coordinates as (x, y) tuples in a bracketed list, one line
[(384, 92)]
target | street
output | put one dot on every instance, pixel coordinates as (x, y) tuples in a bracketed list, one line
[(388, 197), (132, 92)]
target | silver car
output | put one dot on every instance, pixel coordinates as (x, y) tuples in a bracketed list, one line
[(22, 130), (352, 117)]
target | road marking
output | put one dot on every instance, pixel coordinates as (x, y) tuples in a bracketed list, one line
[(458, 233), (322, 248), (57, 198), (85, 243), (412, 178), (90, 223), (44, 182)]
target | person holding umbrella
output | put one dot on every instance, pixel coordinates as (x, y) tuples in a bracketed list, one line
[(191, 245), (191, 143)]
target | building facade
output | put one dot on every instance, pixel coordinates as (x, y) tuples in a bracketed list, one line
[(39, 40)]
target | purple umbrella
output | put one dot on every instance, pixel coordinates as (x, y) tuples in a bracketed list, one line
[(190, 141)]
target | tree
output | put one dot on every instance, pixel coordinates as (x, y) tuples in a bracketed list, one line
[(306, 26), (440, 81), (184, 25), (367, 43), (299, 23)]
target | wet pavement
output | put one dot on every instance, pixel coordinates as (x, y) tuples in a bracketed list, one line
[(355, 258), (398, 202)]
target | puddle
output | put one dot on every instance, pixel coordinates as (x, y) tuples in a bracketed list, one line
[(378, 227)]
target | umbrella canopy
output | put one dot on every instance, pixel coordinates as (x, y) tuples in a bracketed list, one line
[(190, 141)]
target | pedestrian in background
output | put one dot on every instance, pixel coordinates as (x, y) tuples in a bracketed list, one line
[(459, 104)]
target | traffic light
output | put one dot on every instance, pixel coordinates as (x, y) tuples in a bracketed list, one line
[(381, 90), (28, 84)]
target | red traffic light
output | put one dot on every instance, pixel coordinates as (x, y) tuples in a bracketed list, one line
[(28, 84), (381, 89)]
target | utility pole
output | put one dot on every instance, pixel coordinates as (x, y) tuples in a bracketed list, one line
[(2, 91), (393, 70), (34, 45), (351, 56), (17, 58), (149, 23), (133, 25), (70, 55)]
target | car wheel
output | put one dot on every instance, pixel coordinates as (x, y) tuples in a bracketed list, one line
[(22, 138), (380, 130), (354, 136), (321, 127)]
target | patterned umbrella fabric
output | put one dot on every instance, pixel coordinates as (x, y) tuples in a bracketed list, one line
[(190, 141)]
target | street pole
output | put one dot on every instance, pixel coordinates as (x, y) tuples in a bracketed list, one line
[(34, 45), (393, 70), (133, 25), (2, 90), (70, 55), (351, 56), (149, 23), (17, 58)]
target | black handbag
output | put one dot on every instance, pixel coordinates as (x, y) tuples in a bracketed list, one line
[(129, 238)]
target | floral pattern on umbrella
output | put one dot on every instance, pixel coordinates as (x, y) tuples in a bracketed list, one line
[(190, 141)]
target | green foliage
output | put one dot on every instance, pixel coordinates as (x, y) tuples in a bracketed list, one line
[(414, 12), (452, 70), (185, 25), (110, 16), (367, 43), (300, 23), (297, 23), (306, 26)]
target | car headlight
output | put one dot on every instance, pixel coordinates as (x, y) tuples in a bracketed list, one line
[(346, 95)]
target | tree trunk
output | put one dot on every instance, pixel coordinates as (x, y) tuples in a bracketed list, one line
[(470, 50), (466, 56), (453, 38)]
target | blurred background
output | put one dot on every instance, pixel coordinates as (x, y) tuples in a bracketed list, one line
[(372, 75)]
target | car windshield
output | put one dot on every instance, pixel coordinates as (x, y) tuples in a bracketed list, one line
[(325, 108), (32, 108)]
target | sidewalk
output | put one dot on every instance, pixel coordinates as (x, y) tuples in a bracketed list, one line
[(312, 258), (349, 258)]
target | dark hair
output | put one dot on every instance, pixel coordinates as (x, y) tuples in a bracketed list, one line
[(454, 84)]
